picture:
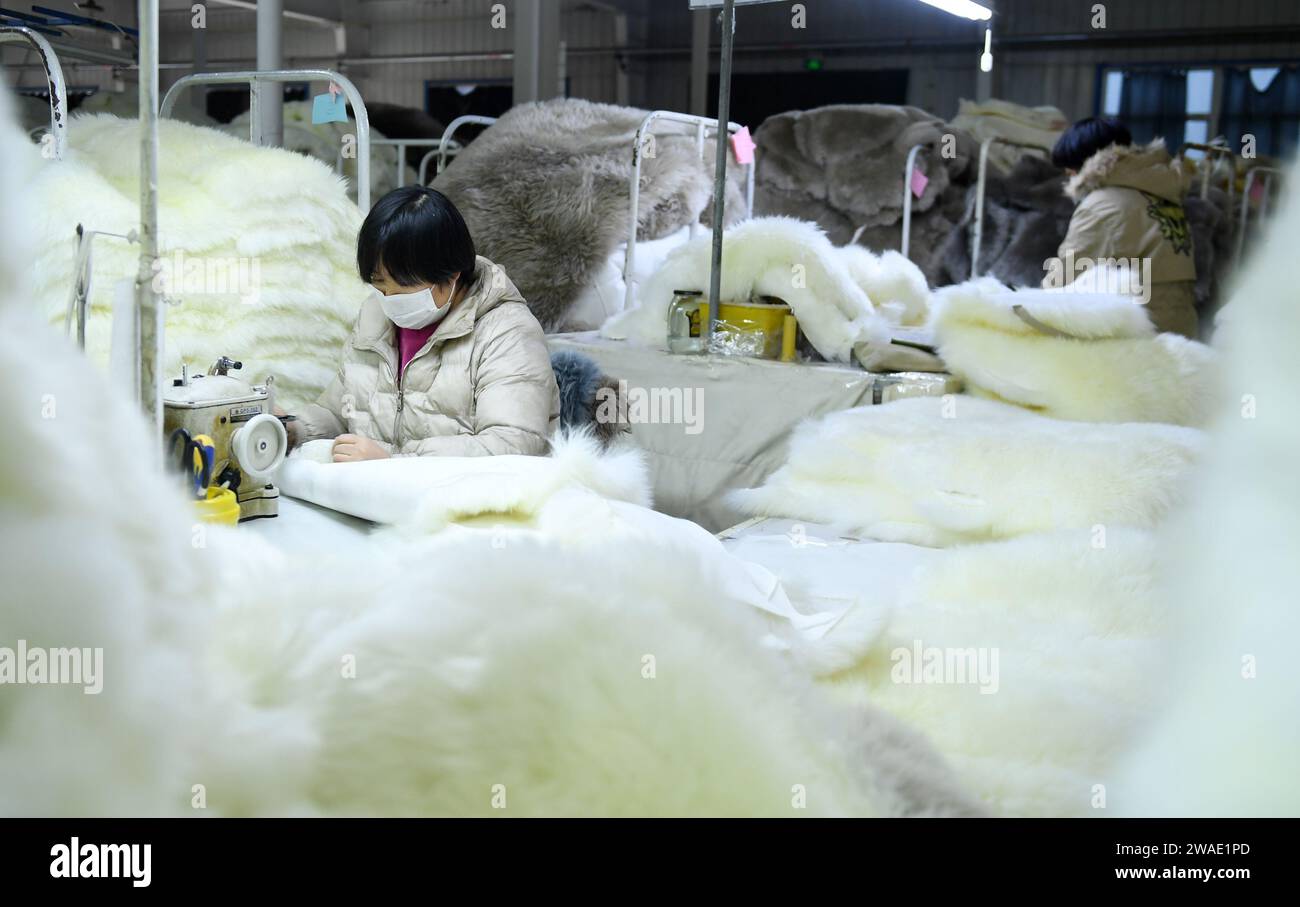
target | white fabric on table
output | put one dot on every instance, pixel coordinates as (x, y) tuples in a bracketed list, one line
[(822, 571)]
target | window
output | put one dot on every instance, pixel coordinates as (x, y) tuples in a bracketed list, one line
[(1200, 105), (1263, 102), (1196, 104)]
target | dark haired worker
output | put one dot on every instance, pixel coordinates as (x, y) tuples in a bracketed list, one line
[(1130, 206), (445, 358)]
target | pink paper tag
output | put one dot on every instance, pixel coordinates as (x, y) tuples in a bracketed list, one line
[(742, 146), (919, 182), (334, 90)]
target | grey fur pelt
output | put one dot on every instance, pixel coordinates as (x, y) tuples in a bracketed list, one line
[(580, 379), (1026, 215), (841, 166), (545, 193), (1211, 244)]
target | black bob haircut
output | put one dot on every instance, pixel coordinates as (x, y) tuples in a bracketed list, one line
[(419, 238), (1085, 138)]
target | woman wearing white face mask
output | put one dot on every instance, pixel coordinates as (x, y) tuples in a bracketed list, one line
[(445, 358)]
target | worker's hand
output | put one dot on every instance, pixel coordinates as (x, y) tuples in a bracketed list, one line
[(354, 449)]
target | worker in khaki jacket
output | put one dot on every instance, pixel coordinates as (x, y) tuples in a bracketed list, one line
[(445, 358), (1130, 206)]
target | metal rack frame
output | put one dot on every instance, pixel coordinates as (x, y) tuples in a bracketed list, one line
[(254, 80), (1269, 173), (17, 34), (702, 126), (401, 145), (443, 142), (906, 241)]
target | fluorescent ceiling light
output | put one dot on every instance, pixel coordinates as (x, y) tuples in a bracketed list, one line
[(962, 8)]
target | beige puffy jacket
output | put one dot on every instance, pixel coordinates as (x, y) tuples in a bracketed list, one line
[(1130, 205), (481, 385)]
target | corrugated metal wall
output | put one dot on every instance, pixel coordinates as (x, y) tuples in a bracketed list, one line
[(660, 35), (1067, 78), (401, 28)]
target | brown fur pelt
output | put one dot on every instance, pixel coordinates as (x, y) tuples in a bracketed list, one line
[(545, 193)]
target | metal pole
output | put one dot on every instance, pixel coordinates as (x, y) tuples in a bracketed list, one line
[(907, 198), (980, 182), (720, 173), (269, 115), (199, 43), (527, 51), (149, 324)]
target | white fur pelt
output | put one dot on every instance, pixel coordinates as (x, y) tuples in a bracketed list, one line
[(434, 491), (1076, 629), (1113, 367), (282, 217), (936, 471), (895, 286), (827, 288), (1228, 741)]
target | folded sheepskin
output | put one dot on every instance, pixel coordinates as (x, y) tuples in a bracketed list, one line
[(257, 247), (545, 193), (938, 471), (1081, 356), (841, 296), (995, 118)]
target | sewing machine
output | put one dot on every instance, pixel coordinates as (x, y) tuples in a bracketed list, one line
[(249, 442)]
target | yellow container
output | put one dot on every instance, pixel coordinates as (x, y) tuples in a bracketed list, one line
[(756, 328), (220, 506)]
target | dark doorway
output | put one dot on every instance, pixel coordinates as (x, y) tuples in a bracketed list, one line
[(444, 101), (755, 96)]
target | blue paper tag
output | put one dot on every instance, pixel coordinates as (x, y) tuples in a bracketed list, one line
[(328, 108)]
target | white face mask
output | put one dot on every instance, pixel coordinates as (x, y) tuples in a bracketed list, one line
[(414, 310)]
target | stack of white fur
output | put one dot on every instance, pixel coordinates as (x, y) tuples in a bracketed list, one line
[(257, 246), (1043, 500)]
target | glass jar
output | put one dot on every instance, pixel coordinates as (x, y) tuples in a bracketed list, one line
[(685, 319)]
